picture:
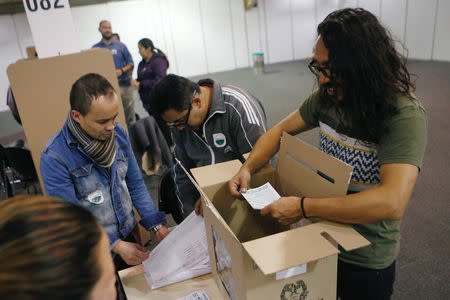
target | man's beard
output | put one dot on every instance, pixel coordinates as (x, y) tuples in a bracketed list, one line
[(107, 37), (323, 92)]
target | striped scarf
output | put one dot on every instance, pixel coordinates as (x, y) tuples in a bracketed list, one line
[(102, 152)]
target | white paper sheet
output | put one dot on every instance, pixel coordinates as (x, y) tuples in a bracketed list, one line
[(291, 272), (260, 197), (182, 255), (197, 295)]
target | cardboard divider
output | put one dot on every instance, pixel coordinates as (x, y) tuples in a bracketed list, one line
[(304, 176), (233, 246), (41, 88), (287, 245)]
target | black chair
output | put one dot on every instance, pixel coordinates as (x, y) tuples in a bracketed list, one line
[(17, 171)]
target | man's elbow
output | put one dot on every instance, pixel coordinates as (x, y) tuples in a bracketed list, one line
[(395, 209)]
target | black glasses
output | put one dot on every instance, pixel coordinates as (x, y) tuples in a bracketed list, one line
[(183, 121), (316, 69)]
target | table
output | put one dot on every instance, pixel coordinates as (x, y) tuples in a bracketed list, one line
[(137, 288)]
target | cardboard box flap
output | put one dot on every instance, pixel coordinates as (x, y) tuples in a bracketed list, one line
[(212, 174), (306, 171), (344, 235), (302, 245), (288, 249)]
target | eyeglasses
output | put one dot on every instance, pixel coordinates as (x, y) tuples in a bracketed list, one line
[(316, 69), (183, 121)]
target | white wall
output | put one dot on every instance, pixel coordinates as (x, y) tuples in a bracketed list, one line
[(206, 36)]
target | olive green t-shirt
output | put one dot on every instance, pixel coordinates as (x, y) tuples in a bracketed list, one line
[(404, 142)]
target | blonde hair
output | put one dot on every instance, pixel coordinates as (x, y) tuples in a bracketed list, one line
[(47, 249)]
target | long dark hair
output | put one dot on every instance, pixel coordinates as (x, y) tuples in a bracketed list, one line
[(145, 42), (365, 64), (47, 249)]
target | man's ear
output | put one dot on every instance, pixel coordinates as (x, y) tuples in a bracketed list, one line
[(197, 101), (76, 115)]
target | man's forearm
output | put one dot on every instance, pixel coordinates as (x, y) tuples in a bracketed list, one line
[(369, 206), (265, 148), (127, 68)]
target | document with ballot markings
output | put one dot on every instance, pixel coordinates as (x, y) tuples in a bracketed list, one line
[(182, 255), (260, 197)]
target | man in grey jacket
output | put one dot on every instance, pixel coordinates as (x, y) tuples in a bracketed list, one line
[(210, 124)]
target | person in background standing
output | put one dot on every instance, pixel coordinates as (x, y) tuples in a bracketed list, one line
[(124, 64), (151, 69), (116, 36)]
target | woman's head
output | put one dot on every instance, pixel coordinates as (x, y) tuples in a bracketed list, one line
[(147, 49), (52, 249)]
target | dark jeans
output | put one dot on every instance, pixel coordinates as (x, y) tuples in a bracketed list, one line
[(358, 283)]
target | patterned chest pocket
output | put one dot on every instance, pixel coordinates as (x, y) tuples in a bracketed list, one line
[(92, 193)]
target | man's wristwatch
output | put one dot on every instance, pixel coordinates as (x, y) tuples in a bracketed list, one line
[(156, 228)]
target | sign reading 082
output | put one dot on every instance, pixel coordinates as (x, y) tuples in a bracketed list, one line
[(32, 5)]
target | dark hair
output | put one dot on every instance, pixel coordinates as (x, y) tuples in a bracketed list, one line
[(364, 63), (47, 249), (172, 92), (87, 88), (146, 43), (116, 34)]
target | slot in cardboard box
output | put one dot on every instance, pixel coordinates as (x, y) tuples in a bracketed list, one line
[(248, 252)]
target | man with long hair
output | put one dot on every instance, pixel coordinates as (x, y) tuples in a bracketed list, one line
[(368, 118)]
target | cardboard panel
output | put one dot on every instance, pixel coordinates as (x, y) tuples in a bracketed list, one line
[(292, 248), (304, 180), (42, 87), (212, 174), (343, 234), (233, 247), (319, 282), (246, 223)]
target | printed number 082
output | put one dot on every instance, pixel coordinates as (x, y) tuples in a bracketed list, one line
[(45, 4)]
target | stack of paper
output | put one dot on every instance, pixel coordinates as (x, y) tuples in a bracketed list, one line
[(182, 255), (198, 295), (260, 197)]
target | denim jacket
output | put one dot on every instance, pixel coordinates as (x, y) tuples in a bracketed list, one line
[(108, 193)]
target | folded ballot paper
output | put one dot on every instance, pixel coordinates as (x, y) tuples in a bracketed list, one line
[(182, 255), (260, 197)]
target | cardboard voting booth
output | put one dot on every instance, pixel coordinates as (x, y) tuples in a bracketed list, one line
[(41, 88), (254, 258)]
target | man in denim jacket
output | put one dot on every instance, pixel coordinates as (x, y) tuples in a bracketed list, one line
[(90, 162)]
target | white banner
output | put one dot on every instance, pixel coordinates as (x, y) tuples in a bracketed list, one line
[(52, 27)]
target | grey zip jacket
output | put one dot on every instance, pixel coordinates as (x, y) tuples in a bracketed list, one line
[(235, 121)]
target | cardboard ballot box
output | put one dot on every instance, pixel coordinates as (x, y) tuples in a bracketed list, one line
[(252, 257)]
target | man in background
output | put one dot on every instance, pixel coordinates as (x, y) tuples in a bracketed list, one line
[(124, 65)]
